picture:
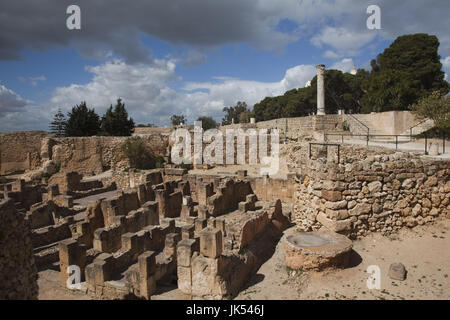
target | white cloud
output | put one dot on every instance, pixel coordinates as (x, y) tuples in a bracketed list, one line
[(146, 91), (148, 97), (345, 65), (331, 55), (348, 42), (11, 101), (446, 65), (33, 81)]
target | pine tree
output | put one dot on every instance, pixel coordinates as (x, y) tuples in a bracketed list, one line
[(82, 122), (58, 125), (115, 122)]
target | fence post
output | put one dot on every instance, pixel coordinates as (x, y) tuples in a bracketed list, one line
[(396, 142), (426, 144)]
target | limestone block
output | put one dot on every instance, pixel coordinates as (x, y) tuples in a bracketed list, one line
[(332, 195), (187, 231), (184, 281), (200, 224), (185, 249), (334, 225), (397, 271), (211, 243), (361, 208)]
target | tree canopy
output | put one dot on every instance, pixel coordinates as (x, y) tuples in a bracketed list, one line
[(178, 119), (237, 114), (407, 71), (115, 122), (207, 123), (58, 125), (436, 107), (82, 122), (410, 69)]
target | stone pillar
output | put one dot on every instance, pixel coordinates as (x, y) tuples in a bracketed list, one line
[(147, 270), (320, 90), (71, 253), (211, 243), (185, 249)]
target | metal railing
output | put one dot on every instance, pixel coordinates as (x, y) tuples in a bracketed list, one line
[(416, 125), (361, 123), (396, 136)]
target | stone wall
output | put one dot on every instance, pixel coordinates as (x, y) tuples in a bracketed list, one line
[(29, 150), (373, 193), (92, 155), (295, 127), (20, 151), (18, 276)]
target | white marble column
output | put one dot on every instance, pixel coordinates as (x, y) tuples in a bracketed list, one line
[(320, 90)]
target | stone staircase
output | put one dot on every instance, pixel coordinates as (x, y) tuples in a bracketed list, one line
[(420, 127)]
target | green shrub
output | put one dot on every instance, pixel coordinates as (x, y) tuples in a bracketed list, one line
[(139, 157), (159, 162)]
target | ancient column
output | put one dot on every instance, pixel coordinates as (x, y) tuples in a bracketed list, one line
[(320, 90)]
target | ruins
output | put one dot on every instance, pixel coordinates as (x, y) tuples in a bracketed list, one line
[(75, 206)]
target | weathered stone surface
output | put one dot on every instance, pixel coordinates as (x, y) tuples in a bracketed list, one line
[(375, 186), (361, 208), (334, 225), (332, 195), (397, 271), (317, 250), (211, 243)]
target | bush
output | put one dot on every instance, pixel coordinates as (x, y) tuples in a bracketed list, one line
[(159, 162), (136, 152)]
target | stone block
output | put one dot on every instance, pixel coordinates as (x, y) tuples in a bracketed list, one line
[(187, 231), (332, 195), (211, 243), (200, 224), (185, 249)]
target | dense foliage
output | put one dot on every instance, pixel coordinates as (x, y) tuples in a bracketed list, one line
[(58, 125), (82, 122), (436, 107), (115, 122), (237, 114), (178, 120), (138, 156), (207, 123), (410, 69)]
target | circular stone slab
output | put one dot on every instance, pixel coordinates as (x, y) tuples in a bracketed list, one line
[(317, 250)]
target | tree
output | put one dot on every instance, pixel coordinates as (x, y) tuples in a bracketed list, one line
[(115, 122), (233, 114), (139, 157), (436, 107), (177, 120), (82, 122), (410, 69), (207, 123), (58, 125), (342, 91)]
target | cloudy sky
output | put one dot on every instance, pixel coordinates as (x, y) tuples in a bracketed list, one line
[(194, 57)]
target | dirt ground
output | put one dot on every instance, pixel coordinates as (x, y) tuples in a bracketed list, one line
[(423, 250)]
